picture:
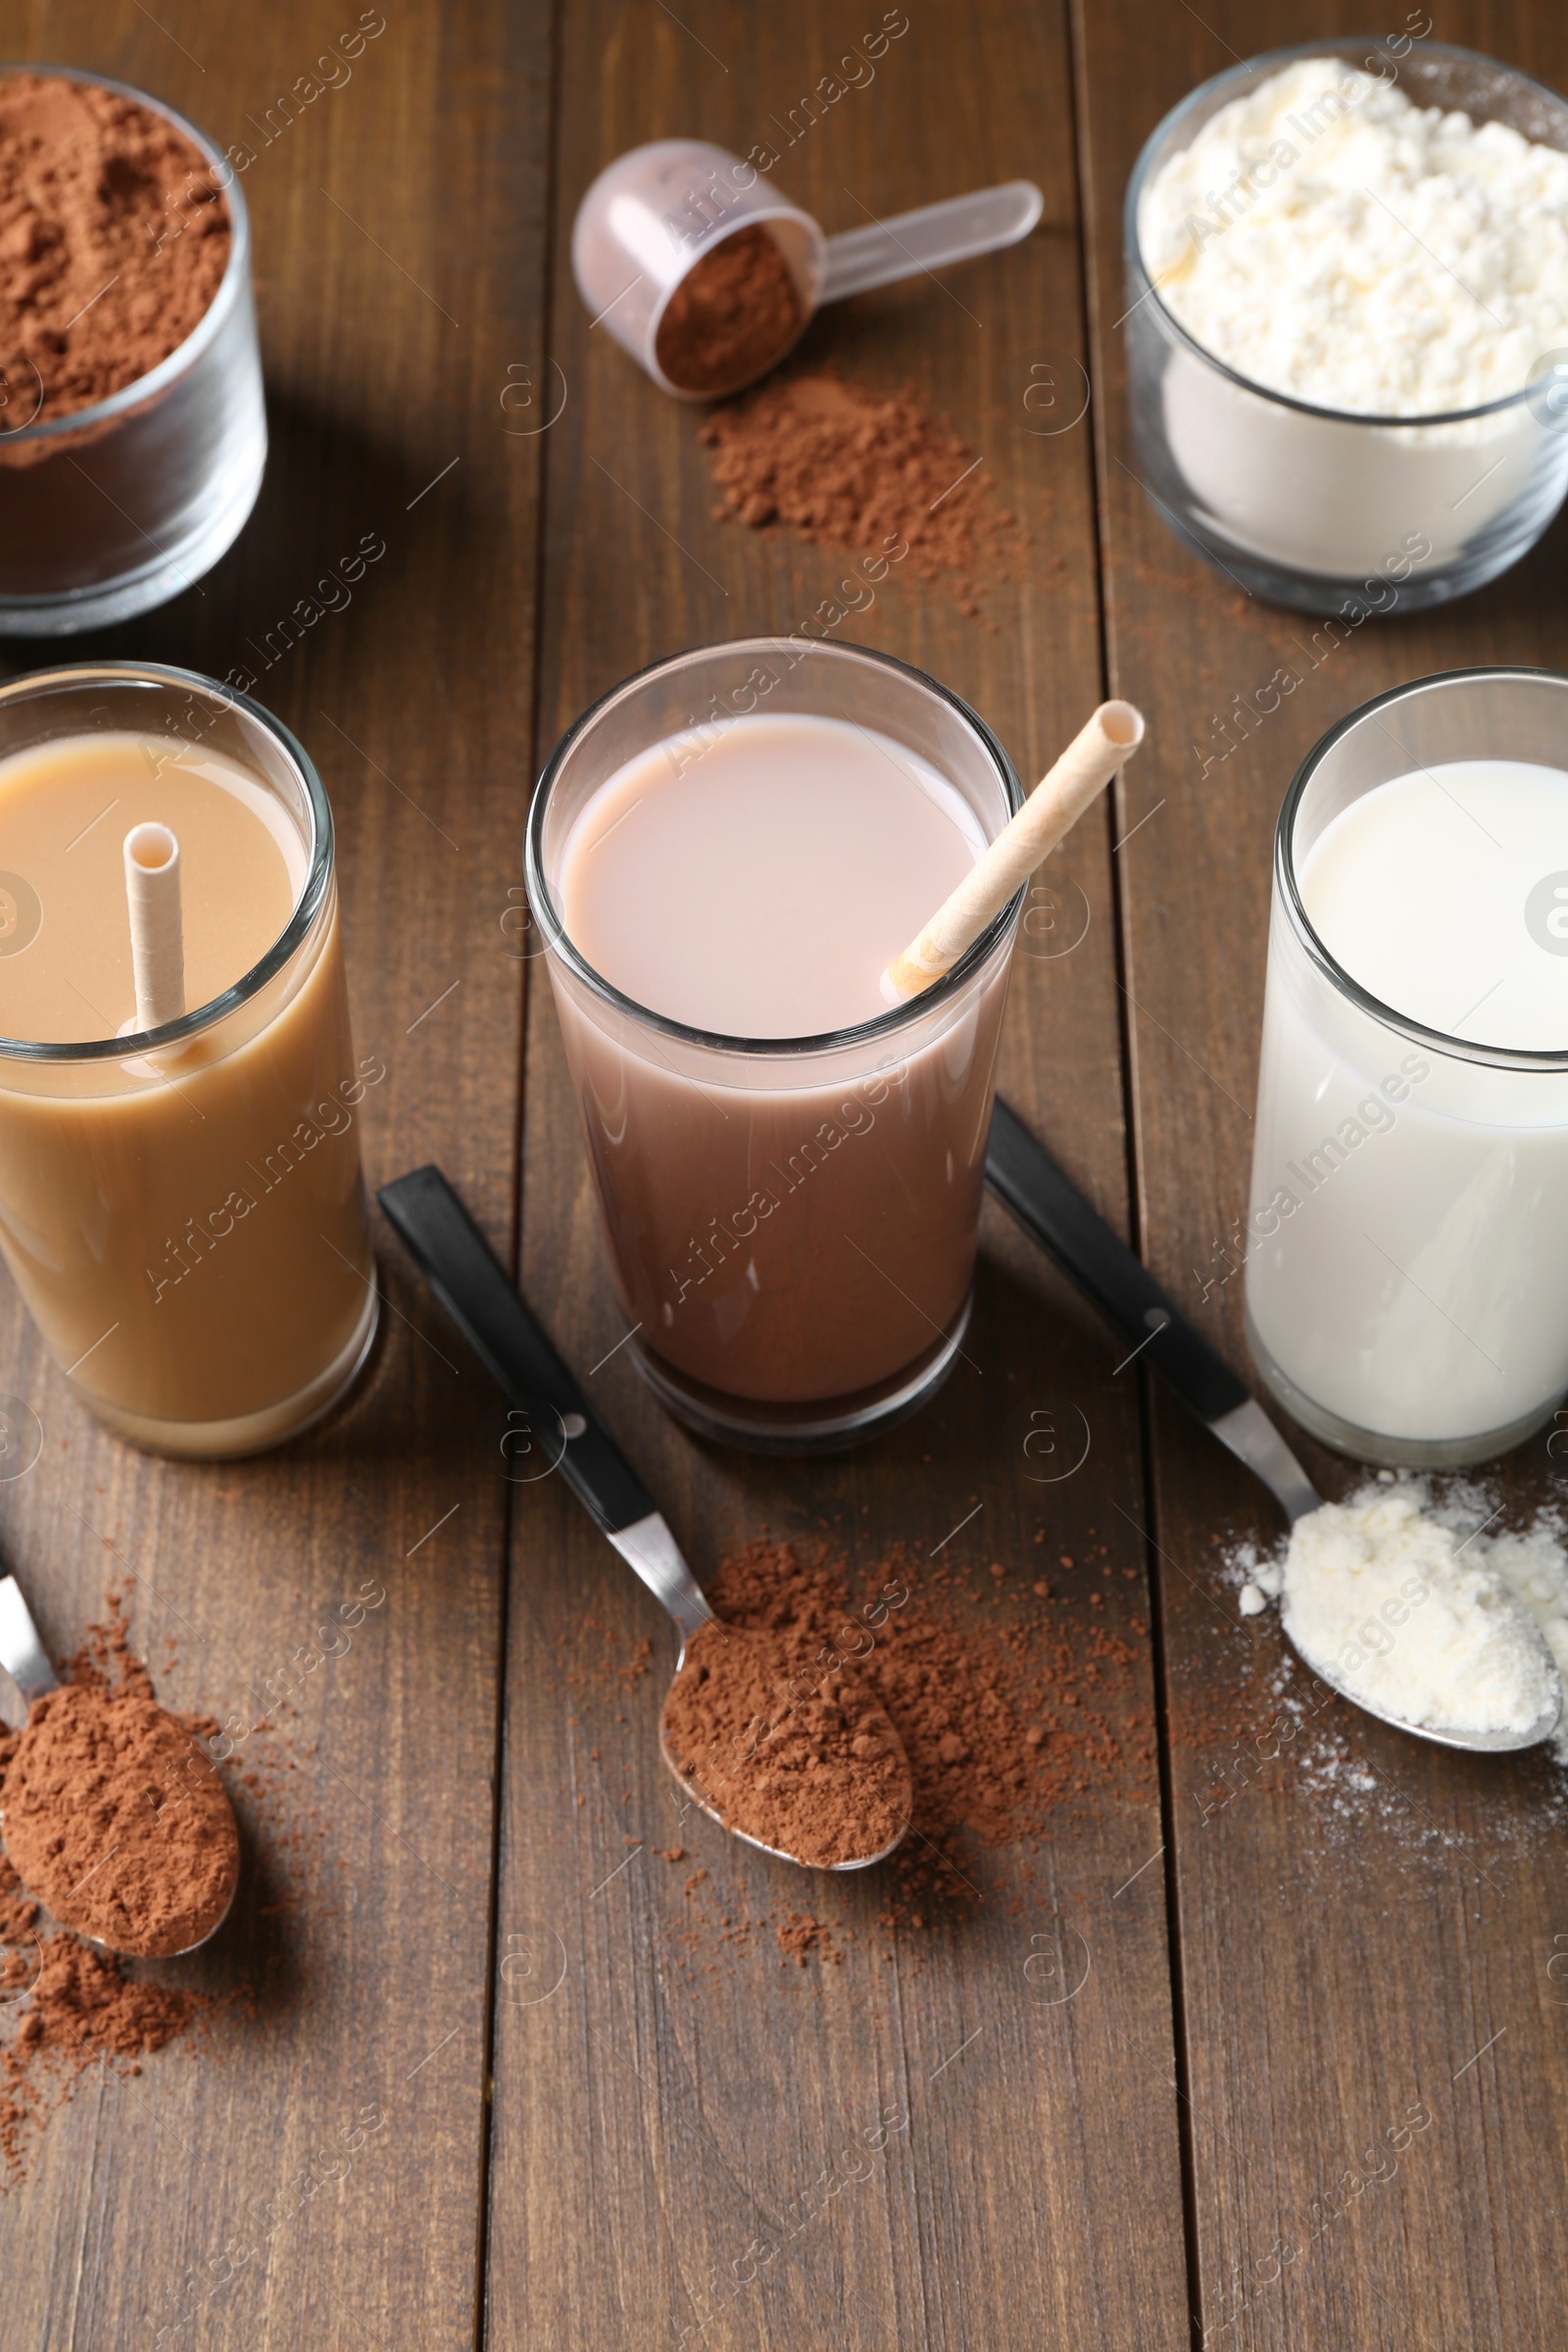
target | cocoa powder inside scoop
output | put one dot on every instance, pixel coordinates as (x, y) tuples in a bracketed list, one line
[(733, 314), (116, 1817), (803, 1761)]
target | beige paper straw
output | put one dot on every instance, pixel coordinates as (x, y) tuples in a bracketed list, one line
[(157, 938), (1047, 817)]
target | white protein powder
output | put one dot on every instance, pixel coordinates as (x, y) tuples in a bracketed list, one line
[(1407, 1612), (1327, 239), (1330, 240)]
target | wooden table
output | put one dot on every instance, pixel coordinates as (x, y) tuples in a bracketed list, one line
[(1137, 2087)]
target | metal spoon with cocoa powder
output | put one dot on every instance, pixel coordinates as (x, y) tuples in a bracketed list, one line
[(798, 1760), (113, 1814)]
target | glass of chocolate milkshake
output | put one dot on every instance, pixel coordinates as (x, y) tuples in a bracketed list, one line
[(133, 434), (723, 855)]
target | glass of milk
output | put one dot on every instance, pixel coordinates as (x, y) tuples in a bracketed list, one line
[(1324, 507), (1407, 1239), (723, 855)]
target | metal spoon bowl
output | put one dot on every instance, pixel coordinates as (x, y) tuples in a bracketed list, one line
[(477, 1292), (25, 1659)]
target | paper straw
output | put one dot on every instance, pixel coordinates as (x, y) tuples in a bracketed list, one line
[(157, 938), (1047, 817)]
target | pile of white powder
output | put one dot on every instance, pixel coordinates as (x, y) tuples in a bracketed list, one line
[(1402, 1600), (1325, 237)]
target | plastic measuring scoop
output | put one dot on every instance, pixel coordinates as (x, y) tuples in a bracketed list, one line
[(652, 215)]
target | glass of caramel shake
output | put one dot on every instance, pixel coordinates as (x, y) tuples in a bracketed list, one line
[(724, 854), (181, 1206)]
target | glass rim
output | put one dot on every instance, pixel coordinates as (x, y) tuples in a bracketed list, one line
[(236, 271), (1275, 60), (37, 684), (882, 1025), (1459, 1048)]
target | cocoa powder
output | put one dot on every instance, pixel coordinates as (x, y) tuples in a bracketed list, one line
[(999, 1728), (19, 1913), (80, 2007), (116, 1817), (114, 239), (734, 314), (804, 1761), (864, 472)]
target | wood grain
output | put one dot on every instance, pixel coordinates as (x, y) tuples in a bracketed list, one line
[(670, 2102), (179, 2206), (973, 2133), (1346, 1944)]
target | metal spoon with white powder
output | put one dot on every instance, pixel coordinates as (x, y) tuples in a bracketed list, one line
[(1463, 1641)]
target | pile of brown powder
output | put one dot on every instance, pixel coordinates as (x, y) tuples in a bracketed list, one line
[(73, 2006), (78, 2007), (734, 314), (864, 472), (19, 1913), (804, 1761), (117, 1818), (114, 239), (999, 1728)]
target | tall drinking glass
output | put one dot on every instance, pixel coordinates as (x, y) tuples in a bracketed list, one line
[(1407, 1276), (183, 1208), (792, 1220)]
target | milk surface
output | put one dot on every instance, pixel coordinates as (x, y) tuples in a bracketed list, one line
[(1423, 891)]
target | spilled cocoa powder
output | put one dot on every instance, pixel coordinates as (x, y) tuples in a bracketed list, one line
[(77, 2007), (734, 314), (803, 1761), (868, 473), (114, 239), (999, 1728), (1016, 1697)]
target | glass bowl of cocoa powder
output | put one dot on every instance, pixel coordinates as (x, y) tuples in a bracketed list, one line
[(132, 432)]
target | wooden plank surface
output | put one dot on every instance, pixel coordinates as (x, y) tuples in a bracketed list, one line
[(182, 2207), (670, 2104), (1005, 2105), (1358, 1915)]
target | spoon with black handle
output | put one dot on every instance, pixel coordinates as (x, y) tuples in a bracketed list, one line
[(478, 1293), (1053, 1213)]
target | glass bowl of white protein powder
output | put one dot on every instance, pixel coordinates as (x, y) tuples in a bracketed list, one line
[(1348, 281)]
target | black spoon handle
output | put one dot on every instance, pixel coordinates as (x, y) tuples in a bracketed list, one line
[(1050, 1207), (477, 1292)]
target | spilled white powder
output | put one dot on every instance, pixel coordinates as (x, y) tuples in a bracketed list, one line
[(1327, 239), (1406, 1602)]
